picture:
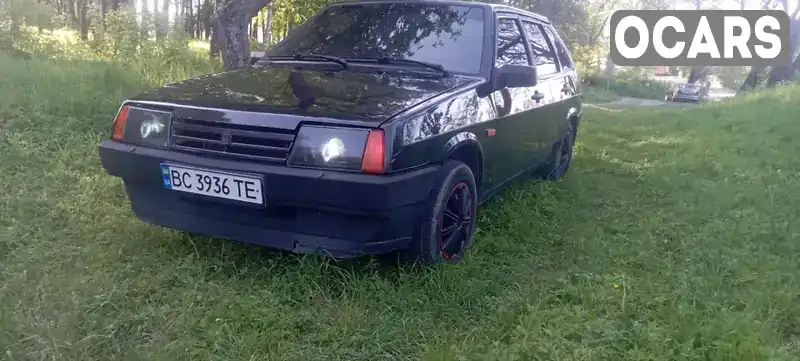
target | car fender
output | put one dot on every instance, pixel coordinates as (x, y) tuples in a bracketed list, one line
[(572, 113), (460, 140)]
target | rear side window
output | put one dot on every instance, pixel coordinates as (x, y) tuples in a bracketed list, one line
[(510, 44), (545, 57), (561, 50)]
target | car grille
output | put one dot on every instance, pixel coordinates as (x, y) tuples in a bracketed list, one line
[(231, 140)]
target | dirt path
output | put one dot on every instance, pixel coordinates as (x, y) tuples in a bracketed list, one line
[(635, 103), (715, 94)]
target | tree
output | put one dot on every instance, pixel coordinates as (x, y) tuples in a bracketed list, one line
[(230, 30), (699, 73), (782, 72)]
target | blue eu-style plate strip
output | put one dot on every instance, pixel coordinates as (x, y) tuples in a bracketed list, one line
[(165, 177)]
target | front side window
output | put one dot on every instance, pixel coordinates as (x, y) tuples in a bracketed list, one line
[(449, 35), (510, 44), (543, 54), (563, 55)]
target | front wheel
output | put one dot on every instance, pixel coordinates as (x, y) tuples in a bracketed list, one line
[(448, 225)]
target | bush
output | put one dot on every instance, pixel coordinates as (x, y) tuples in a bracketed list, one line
[(628, 84)]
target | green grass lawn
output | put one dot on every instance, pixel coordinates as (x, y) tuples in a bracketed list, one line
[(599, 95), (673, 237)]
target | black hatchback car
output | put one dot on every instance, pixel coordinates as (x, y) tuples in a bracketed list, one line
[(375, 127)]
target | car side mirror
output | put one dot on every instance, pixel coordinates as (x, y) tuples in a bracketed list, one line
[(517, 76), (509, 76), (255, 56)]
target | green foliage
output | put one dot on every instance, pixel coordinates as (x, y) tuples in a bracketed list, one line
[(14, 13), (599, 95), (732, 77), (122, 41), (120, 35), (628, 83), (288, 14), (587, 57)]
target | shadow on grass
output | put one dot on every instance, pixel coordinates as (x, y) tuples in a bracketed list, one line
[(529, 210)]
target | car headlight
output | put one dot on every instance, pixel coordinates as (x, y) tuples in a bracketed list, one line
[(339, 148), (142, 126)]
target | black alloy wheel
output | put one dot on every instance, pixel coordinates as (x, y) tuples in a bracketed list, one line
[(447, 228), (565, 158), (455, 225), (561, 158)]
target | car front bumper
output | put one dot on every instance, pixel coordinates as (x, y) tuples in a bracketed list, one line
[(307, 211), (688, 97)]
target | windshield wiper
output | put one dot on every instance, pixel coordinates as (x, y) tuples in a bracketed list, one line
[(389, 60), (309, 56)]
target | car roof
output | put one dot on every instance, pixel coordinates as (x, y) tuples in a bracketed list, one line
[(492, 7)]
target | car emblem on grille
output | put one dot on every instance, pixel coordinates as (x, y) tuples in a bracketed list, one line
[(226, 137)]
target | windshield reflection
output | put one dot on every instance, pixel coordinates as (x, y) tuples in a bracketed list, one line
[(449, 35)]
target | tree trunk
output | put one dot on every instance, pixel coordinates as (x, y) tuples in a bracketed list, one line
[(73, 17), (162, 26), (214, 46), (188, 17), (695, 74), (208, 12), (751, 81), (145, 27), (230, 26), (103, 12), (268, 26), (233, 41), (785, 72), (15, 29), (198, 20), (698, 72), (610, 69), (83, 18)]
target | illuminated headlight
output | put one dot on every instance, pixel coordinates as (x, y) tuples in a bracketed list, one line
[(143, 126), (325, 147)]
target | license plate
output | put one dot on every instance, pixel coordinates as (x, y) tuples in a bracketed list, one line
[(212, 183)]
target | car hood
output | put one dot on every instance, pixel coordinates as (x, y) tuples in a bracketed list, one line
[(355, 95)]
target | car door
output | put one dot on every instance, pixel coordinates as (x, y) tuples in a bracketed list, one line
[(516, 141), (566, 86), (507, 145), (544, 125)]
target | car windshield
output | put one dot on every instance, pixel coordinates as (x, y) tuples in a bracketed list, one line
[(449, 35)]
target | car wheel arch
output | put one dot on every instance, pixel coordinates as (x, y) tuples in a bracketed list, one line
[(466, 148), (574, 118)]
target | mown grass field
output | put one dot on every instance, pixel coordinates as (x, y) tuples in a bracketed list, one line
[(674, 237)]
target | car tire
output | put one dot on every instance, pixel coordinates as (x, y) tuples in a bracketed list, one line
[(452, 205), (560, 158)]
